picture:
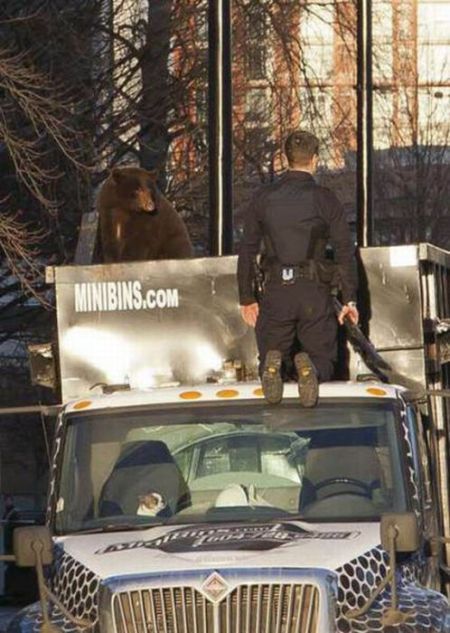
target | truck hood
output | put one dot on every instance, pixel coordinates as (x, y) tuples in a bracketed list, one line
[(287, 544)]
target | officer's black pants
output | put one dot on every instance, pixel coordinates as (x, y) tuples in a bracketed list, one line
[(301, 313)]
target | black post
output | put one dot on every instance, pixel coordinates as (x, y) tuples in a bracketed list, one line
[(220, 129), (364, 213)]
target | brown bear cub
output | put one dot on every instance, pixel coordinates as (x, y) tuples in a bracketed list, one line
[(136, 221)]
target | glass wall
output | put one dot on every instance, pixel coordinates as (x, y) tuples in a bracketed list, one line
[(295, 66), (411, 58)]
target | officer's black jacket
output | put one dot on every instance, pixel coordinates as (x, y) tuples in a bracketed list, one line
[(296, 218)]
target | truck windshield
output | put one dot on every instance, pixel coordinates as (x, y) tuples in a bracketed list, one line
[(137, 467)]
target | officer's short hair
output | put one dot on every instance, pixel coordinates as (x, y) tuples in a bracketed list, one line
[(300, 147)]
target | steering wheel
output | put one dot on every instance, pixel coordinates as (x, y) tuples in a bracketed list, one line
[(365, 492)]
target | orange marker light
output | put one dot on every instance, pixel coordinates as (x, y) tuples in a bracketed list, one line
[(190, 395), (227, 393), (83, 404), (258, 392), (376, 391)]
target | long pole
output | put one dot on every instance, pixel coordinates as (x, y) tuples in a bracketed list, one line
[(364, 214), (220, 129)]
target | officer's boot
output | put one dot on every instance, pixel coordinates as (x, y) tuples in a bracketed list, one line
[(308, 384), (272, 383)]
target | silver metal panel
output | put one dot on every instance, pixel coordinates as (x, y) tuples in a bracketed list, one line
[(150, 323), (393, 304), (408, 367)]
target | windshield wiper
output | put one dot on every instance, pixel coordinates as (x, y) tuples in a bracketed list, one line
[(116, 527)]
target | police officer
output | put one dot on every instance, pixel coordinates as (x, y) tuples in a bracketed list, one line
[(296, 219)]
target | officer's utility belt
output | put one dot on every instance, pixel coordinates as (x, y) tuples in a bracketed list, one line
[(321, 271)]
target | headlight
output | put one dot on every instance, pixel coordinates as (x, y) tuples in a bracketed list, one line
[(105, 621), (332, 592)]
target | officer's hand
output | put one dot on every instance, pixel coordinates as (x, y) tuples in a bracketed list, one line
[(350, 312), (250, 314)]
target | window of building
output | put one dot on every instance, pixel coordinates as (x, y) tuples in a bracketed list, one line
[(201, 104), (383, 114), (201, 20), (257, 106), (317, 23), (256, 45), (317, 38)]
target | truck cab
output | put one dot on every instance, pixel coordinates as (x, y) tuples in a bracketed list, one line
[(205, 509)]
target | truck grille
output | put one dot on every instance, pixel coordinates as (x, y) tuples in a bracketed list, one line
[(259, 608)]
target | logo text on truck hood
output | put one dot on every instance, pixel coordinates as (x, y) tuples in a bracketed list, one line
[(242, 537)]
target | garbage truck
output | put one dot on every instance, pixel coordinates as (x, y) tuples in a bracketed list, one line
[(181, 502)]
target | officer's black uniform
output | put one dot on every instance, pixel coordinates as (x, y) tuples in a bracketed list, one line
[(296, 218)]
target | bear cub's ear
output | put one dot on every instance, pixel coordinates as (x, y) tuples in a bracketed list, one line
[(153, 173), (116, 173)]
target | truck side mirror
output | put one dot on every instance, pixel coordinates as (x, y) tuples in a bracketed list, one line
[(31, 544), (404, 524), (399, 533), (33, 548)]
